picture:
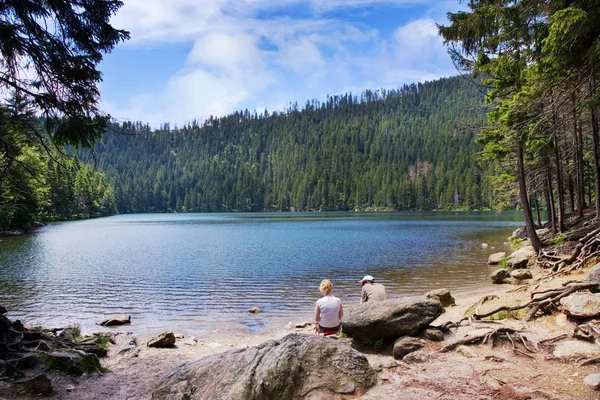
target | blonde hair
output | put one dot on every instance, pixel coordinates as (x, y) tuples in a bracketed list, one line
[(326, 287)]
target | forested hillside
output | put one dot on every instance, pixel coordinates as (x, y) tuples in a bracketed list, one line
[(411, 148)]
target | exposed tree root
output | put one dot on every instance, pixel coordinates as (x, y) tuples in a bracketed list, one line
[(587, 247), (545, 301), (589, 331), (504, 332)]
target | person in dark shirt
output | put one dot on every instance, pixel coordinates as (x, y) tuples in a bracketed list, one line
[(371, 291)]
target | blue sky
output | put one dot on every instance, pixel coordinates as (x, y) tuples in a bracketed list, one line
[(189, 59)]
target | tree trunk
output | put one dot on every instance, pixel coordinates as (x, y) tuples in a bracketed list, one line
[(559, 188), (549, 193), (578, 144), (529, 224), (595, 138)]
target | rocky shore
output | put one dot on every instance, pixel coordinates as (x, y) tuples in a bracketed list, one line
[(525, 336)]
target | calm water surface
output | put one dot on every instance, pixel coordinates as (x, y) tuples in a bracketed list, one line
[(199, 272)]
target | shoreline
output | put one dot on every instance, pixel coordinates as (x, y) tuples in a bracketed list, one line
[(133, 374)]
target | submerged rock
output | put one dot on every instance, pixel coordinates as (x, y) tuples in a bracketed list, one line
[(115, 320), (298, 366), (254, 310), (390, 318)]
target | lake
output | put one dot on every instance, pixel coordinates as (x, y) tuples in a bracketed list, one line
[(195, 273)]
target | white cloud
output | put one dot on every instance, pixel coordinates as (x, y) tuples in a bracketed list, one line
[(238, 60)]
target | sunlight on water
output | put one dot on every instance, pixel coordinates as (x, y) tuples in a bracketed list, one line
[(194, 272)]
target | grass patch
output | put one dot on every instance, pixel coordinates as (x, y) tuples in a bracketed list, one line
[(102, 340), (75, 331), (504, 314), (515, 243), (558, 239), (373, 343)]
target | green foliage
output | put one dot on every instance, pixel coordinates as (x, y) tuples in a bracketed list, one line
[(405, 149), (558, 239), (515, 242), (76, 331), (504, 314), (373, 343), (102, 340)]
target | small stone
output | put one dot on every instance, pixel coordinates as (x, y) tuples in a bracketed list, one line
[(521, 274), (468, 352), (381, 365), (191, 341), (166, 339), (405, 345), (593, 381), (254, 310), (179, 336), (496, 258), (484, 245), (433, 334), (303, 325), (419, 356), (499, 275), (70, 388)]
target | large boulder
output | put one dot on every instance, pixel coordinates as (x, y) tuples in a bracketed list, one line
[(581, 305), (520, 258), (499, 275), (496, 258), (390, 318), (298, 366), (443, 295)]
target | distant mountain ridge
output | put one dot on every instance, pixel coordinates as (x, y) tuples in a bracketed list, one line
[(405, 149)]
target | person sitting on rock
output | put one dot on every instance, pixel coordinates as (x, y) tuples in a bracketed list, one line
[(371, 291), (329, 311)]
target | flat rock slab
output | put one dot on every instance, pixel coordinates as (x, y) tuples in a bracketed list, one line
[(298, 366), (575, 348), (115, 320), (390, 318), (581, 305)]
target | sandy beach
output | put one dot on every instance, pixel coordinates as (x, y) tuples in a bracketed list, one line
[(483, 372)]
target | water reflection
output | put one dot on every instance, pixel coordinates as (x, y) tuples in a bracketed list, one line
[(194, 270)]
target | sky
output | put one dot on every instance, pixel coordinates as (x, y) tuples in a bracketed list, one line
[(190, 59)]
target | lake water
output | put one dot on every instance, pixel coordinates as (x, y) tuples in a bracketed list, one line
[(200, 272)]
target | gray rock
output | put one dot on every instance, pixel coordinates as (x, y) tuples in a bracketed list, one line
[(390, 318), (581, 305), (166, 339), (592, 380), (71, 361), (381, 365), (520, 258), (298, 366), (521, 274), (419, 356), (594, 274), (520, 233), (433, 334), (115, 320), (405, 345), (254, 310), (499, 275), (443, 295), (496, 258), (191, 341), (575, 348)]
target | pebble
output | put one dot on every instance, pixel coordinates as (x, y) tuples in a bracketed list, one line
[(593, 381)]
